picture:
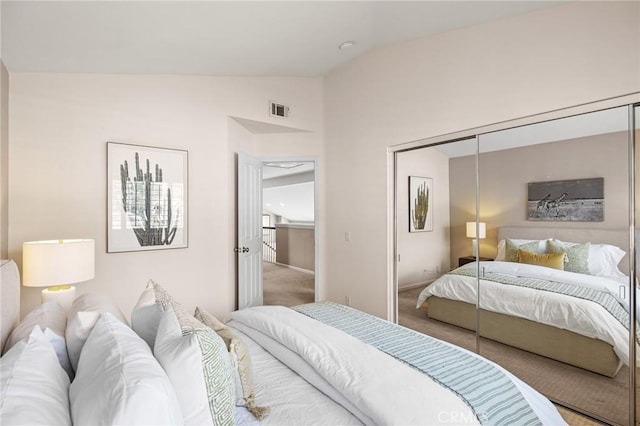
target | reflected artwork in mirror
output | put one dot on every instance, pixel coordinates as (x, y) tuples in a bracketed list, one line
[(575, 200)]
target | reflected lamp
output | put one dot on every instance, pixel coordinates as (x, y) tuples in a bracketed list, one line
[(57, 264), (471, 233)]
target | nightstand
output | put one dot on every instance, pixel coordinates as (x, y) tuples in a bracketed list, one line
[(468, 259)]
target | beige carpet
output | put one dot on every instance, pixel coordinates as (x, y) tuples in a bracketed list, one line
[(285, 286), (604, 397)]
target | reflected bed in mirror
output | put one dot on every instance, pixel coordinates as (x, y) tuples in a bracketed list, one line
[(574, 317)]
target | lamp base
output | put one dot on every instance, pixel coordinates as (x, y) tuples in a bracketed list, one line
[(63, 294)]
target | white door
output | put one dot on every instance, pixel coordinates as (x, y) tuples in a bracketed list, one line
[(249, 249)]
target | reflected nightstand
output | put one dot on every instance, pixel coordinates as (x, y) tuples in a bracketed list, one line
[(468, 259)]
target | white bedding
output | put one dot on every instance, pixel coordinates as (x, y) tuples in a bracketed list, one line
[(578, 315), (389, 392), (293, 401)]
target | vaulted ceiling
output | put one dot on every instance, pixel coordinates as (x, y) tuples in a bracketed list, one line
[(260, 38)]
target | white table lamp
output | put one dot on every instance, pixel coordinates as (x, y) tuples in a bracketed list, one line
[(58, 263), (471, 233)]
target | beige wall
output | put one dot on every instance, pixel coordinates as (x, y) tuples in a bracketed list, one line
[(4, 162), (545, 60), (295, 246), (504, 176), (60, 124), (423, 255)]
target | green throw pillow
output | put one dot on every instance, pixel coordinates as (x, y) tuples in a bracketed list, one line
[(577, 259), (511, 249)]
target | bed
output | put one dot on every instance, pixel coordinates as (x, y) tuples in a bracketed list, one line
[(574, 317), (315, 364)]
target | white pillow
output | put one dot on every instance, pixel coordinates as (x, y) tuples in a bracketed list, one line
[(500, 256), (52, 319), (198, 365), (604, 259), (118, 381), (146, 314), (34, 385), (84, 313)]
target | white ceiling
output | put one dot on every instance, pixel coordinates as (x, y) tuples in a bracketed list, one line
[(293, 202), (290, 198), (283, 38), (595, 123)]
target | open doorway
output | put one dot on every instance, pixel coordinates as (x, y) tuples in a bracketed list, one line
[(288, 229)]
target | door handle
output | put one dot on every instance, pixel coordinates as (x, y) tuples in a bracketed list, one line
[(241, 249), (245, 249)]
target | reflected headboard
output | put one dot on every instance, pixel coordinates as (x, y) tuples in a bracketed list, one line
[(616, 237), (9, 298)]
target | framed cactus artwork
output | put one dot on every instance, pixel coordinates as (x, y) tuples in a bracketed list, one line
[(420, 202), (146, 198)]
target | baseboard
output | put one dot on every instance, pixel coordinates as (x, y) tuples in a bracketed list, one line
[(295, 268), (415, 285)]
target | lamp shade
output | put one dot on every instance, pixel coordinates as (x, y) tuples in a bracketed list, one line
[(471, 230), (57, 262)]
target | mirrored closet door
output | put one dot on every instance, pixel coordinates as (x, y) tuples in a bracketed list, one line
[(526, 258), (555, 200)]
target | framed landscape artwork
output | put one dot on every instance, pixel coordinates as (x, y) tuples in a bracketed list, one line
[(420, 204), (146, 198), (576, 200)]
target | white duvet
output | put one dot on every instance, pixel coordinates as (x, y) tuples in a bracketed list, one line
[(372, 385), (578, 315), (291, 399)]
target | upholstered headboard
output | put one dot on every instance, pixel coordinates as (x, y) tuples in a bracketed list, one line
[(616, 237), (9, 298)]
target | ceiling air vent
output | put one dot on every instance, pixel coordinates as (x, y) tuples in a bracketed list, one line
[(278, 110)]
